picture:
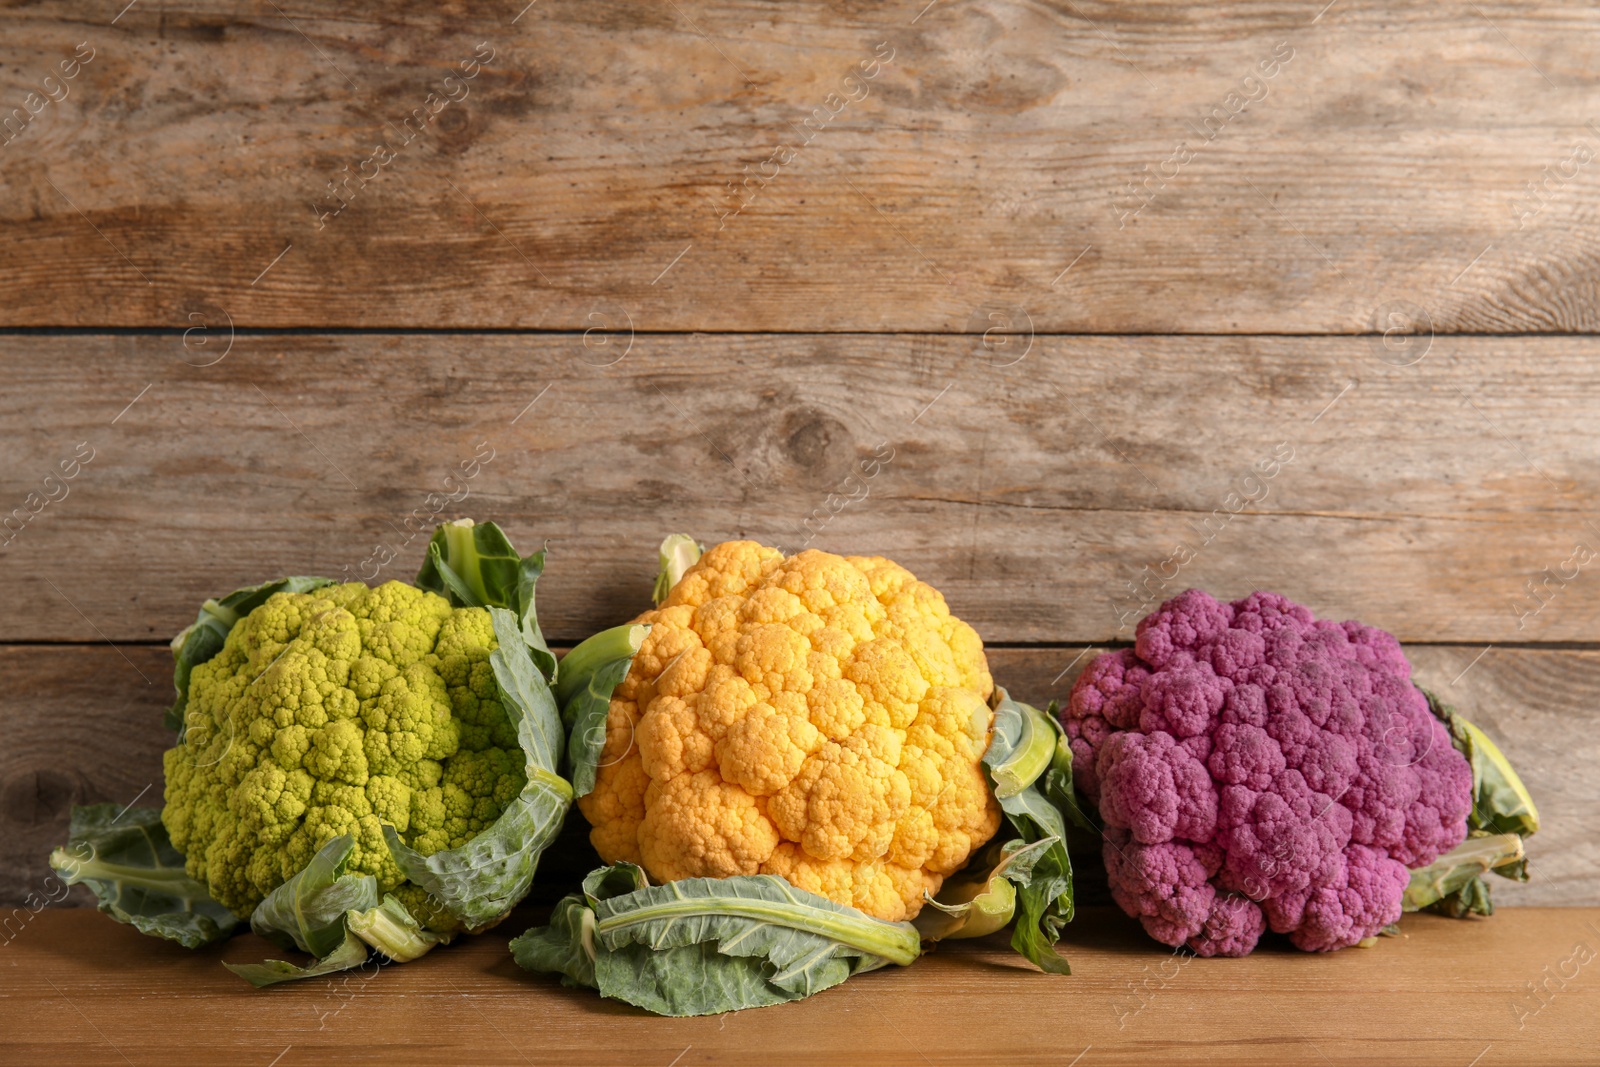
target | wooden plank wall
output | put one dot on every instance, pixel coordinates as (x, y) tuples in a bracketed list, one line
[(992, 145), (1079, 268)]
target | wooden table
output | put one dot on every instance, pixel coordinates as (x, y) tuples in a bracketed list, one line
[(1083, 269), (1453, 993)]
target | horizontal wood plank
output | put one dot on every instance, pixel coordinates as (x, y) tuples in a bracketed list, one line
[(85, 726), (1054, 488), (1086, 166), (1445, 992)]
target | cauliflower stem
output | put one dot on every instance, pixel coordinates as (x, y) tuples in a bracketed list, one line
[(586, 678), (579, 666), (1453, 883), (981, 898), (392, 930)]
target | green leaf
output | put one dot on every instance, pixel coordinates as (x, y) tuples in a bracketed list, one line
[(1470, 899), (474, 565), (1057, 781), (203, 638), (982, 897), (1059, 791), (586, 677), (1044, 902), (137, 875), (1503, 813), (392, 930), (1021, 748), (480, 881), (523, 686), (1501, 804), (1453, 884), (308, 911), (678, 553), (1037, 929), (565, 947), (1044, 899), (351, 952), (620, 879), (702, 946)]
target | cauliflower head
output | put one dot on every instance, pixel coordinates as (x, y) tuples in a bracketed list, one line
[(821, 718), (333, 712), (1257, 767)]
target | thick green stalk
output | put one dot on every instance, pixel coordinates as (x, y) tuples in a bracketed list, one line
[(391, 930), (460, 549), (1032, 752), (678, 553), (896, 942), (1500, 801), (158, 878), (1457, 868), (607, 646), (982, 898)]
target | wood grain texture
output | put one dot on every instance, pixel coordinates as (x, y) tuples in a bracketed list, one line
[(86, 728), (1046, 490), (1439, 156), (908, 212), (77, 980)]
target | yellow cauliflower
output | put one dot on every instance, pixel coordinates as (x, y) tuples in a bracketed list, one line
[(820, 717)]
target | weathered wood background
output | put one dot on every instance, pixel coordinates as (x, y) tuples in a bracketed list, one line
[(1081, 266), (993, 146)]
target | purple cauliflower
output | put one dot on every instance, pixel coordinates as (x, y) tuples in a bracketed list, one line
[(1255, 767)]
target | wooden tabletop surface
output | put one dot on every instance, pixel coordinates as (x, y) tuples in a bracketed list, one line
[(1082, 269), (1517, 988)]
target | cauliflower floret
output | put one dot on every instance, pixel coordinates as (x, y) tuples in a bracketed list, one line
[(697, 825), (334, 712), (820, 718)]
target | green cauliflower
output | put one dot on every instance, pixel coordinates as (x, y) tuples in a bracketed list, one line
[(333, 712), (357, 769)]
